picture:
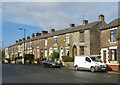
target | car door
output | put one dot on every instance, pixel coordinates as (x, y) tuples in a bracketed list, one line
[(87, 63)]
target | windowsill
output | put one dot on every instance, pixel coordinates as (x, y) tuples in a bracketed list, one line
[(81, 41), (113, 42)]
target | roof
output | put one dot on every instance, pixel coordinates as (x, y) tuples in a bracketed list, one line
[(112, 24), (64, 31)]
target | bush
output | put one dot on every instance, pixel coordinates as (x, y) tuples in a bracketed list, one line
[(29, 57), (54, 55), (67, 59), (44, 59)]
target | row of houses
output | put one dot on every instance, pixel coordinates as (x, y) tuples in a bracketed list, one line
[(95, 38)]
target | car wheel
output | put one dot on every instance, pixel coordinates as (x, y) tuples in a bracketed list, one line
[(76, 68), (51, 66), (92, 69)]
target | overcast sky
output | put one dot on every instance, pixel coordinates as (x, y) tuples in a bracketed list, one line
[(37, 16)]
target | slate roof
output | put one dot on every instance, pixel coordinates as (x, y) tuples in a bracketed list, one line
[(64, 31), (112, 24)]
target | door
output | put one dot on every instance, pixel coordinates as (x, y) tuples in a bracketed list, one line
[(87, 63), (104, 56), (41, 55), (74, 51), (61, 53)]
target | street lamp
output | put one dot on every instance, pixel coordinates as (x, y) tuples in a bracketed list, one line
[(24, 43)]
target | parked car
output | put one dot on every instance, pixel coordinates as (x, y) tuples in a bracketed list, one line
[(92, 63), (50, 63)]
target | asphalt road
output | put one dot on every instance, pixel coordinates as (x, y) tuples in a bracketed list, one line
[(38, 74)]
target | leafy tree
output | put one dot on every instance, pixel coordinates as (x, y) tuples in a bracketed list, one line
[(29, 57), (54, 55)]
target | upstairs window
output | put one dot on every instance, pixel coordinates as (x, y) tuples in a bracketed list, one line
[(45, 42), (55, 40), (113, 35), (67, 38), (81, 36), (38, 44)]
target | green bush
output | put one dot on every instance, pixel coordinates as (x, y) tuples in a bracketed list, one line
[(29, 57), (54, 55), (44, 59), (67, 59)]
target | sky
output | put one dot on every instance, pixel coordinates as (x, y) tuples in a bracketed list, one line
[(38, 16)]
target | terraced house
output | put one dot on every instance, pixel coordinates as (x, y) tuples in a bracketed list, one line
[(75, 40), (110, 44)]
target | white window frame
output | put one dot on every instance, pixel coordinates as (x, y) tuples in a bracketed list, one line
[(67, 38), (45, 53), (55, 37), (46, 42)]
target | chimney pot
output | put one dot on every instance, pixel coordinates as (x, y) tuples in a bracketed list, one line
[(16, 41)]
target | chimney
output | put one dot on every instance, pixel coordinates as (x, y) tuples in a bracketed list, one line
[(33, 35), (101, 18), (20, 40), (52, 30), (39, 34), (44, 32), (16, 41), (85, 22), (72, 25), (23, 39), (28, 37)]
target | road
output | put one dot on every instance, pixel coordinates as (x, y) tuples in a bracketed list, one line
[(38, 74)]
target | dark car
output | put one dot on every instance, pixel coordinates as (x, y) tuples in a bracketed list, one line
[(50, 63)]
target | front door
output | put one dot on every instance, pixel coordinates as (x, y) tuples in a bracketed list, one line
[(74, 51), (41, 55), (61, 53), (104, 56)]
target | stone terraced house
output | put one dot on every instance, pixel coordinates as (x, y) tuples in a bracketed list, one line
[(75, 40), (110, 44)]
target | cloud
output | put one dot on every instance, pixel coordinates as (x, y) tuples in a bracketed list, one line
[(55, 15)]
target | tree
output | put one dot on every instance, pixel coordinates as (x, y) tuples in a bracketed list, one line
[(29, 57), (54, 55)]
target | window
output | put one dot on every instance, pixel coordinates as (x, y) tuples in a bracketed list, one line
[(45, 42), (113, 35), (67, 38), (38, 44), (81, 50), (67, 52), (113, 54), (55, 40), (87, 59), (30, 45), (81, 36), (45, 53)]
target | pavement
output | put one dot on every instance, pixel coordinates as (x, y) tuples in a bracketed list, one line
[(111, 72)]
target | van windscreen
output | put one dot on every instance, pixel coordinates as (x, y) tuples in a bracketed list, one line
[(96, 59)]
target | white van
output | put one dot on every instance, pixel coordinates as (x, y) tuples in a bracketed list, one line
[(90, 62)]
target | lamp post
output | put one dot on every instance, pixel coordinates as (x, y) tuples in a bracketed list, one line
[(24, 44)]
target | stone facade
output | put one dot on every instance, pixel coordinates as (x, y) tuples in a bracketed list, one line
[(110, 45)]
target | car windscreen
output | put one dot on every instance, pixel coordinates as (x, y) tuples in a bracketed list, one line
[(96, 59)]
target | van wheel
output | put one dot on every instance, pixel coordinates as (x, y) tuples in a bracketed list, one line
[(92, 69), (76, 68)]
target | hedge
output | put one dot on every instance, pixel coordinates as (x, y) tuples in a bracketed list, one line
[(67, 59)]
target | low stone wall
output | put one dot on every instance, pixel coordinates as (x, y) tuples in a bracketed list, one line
[(69, 64)]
